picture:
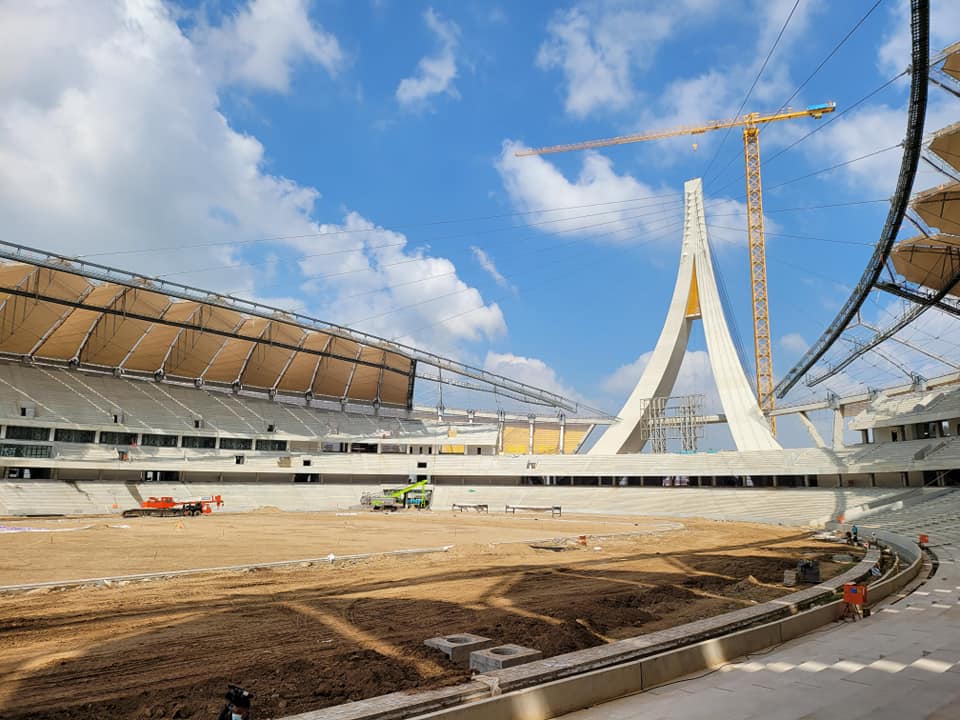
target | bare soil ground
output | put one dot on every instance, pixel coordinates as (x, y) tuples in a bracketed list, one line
[(303, 638)]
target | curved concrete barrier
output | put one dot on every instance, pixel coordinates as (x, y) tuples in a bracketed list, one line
[(565, 683)]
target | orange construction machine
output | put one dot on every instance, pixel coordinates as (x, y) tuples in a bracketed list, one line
[(168, 507)]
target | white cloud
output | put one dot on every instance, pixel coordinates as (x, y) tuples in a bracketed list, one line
[(606, 206), (717, 92), (259, 44), (531, 371), (602, 48), (794, 343), (894, 53), (487, 263), (595, 56), (695, 378), (383, 286), (872, 128), (597, 198), (116, 147), (435, 73)]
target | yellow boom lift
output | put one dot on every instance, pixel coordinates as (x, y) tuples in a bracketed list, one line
[(750, 123), (416, 494)]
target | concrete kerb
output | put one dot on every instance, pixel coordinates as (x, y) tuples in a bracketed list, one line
[(562, 684)]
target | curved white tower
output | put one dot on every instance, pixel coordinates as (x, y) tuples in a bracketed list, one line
[(695, 296)]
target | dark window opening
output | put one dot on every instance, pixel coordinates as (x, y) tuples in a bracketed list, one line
[(74, 436), (228, 443), (159, 440), (199, 442), (19, 432), (118, 438), (272, 445), (25, 451)]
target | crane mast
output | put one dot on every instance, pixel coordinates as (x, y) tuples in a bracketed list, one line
[(750, 123)]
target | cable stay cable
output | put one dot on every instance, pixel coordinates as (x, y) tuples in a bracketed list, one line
[(503, 296), (513, 279), (488, 231), (753, 85), (393, 228)]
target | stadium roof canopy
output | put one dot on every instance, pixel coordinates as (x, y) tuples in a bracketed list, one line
[(63, 310), (951, 63), (929, 261), (940, 207), (946, 144)]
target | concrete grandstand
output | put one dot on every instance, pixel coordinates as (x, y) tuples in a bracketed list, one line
[(115, 387)]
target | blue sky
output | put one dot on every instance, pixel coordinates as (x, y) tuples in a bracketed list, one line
[(353, 160)]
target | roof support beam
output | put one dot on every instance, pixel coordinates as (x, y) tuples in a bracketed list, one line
[(912, 148), (908, 317), (918, 297)]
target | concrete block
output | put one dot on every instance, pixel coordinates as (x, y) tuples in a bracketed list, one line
[(502, 656), (458, 646)]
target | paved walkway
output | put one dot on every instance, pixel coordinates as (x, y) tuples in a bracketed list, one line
[(902, 663)]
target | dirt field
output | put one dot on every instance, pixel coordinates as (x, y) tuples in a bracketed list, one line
[(302, 638)]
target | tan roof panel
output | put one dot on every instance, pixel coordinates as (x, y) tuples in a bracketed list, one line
[(940, 207), (930, 262), (228, 363), (946, 144), (334, 375), (66, 340), (951, 65), (268, 361), (59, 315), (150, 352), (301, 370), (114, 336)]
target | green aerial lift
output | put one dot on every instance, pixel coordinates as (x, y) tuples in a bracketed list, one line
[(416, 494)]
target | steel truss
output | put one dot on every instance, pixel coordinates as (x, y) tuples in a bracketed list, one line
[(912, 150)]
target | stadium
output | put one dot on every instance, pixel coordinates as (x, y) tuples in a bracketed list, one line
[(201, 492)]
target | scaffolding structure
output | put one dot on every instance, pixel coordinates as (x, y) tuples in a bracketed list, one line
[(678, 417)]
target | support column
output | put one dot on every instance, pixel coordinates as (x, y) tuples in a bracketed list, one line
[(532, 419), (563, 430), (837, 428), (812, 429)]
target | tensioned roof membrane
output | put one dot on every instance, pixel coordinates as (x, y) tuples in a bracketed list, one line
[(940, 207), (946, 144), (951, 64), (929, 261), (65, 317)]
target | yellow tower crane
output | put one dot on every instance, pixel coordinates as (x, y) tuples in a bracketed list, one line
[(750, 123)]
